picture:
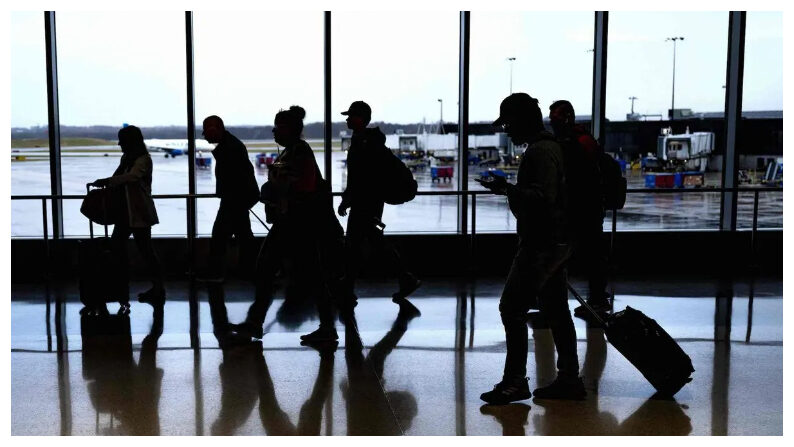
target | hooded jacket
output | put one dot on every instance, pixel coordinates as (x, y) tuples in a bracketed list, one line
[(365, 160)]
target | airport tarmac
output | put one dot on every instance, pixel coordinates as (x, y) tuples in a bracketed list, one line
[(683, 210)]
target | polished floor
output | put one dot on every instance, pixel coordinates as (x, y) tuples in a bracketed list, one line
[(413, 376)]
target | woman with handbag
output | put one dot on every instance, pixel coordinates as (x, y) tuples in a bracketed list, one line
[(299, 205), (135, 211)]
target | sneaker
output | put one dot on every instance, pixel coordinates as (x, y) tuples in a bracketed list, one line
[(408, 285), (153, 296), (602, 308), (407, 310), (249, 329), (320, 335), (505, 392), (562, 389)]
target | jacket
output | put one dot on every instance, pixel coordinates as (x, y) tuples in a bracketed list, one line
[(365, 161), (136, 182), (538, 199), (234, 174)]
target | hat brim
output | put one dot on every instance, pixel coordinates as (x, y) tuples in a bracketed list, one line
[(499, 121), (347, 112)]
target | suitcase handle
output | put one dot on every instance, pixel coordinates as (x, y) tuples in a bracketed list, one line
[(578, 297), (90, 222)]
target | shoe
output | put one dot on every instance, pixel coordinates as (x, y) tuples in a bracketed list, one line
[(407, 310), (561, 388), (249, 329), (153, 296), (505, 392), (602, 308), (321, 335), (408, 285)]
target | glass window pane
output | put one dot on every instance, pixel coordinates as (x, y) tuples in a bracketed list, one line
[(761, 133), (545, 54), (30, 168), (115, 69), (248, 66), (652, 141), (374, 54)]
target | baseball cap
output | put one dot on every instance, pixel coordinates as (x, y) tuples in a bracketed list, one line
[(359, 108), (515, 104)]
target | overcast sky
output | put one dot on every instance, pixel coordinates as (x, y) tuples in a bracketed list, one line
[(116, 68)]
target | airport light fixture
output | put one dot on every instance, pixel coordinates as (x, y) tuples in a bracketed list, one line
[(440, 116), (672, 105), (511, 60)]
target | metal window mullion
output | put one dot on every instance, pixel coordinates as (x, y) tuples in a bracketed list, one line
[(463, 121), (733, 114), (327, 120), (54, 123), (599, 75), (191, 139)]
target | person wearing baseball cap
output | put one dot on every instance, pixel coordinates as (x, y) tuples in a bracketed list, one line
[(363, 195), (537, 278)]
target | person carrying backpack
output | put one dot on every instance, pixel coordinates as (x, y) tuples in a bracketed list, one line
[(374, 177), (582, 155)]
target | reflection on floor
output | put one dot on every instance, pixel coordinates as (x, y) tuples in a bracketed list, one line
[(400, 374)]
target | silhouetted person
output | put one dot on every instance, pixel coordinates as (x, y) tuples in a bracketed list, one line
[(133, 178), (236, 186), (366, 160), (298, 203), (537, 277), (585, 202)]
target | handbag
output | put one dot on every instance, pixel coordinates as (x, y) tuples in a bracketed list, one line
[(101, 205)]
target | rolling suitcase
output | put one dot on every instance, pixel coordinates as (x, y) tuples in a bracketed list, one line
[(101, 279), (647, 346)]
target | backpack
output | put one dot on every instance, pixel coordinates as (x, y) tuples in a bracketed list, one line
[(399, 184), (613, 184)]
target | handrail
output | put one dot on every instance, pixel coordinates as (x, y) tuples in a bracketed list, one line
[(433, 193)]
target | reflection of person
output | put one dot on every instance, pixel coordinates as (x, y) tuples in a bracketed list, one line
[(129, 392), (236, 186), (537, 276), (585, 203), (138, 214), (301, 210), (245, 377), (368, 411), (364, 197)]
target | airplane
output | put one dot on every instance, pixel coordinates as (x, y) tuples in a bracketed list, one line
[(175, 147)]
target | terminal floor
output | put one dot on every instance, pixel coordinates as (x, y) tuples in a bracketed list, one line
[(423, 378)]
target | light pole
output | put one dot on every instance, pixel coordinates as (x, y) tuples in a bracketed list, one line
[(440, 116), (672, 105), (511, 59), (632, 99)]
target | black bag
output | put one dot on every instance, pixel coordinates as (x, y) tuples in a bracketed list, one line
[(399, 183), (102, 205), (647, 346), (613, 184), (100, 271)]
